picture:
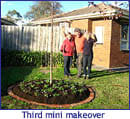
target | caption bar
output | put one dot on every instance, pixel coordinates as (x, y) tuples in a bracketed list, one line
[(64, 114), (61, 114)]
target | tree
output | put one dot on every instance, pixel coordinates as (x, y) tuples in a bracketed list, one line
[(120, 4), (51, 53), (13, 16), (42, 9)]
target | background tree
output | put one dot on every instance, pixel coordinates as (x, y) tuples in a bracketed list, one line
[(120, 4), (42, 9), (13, 16)]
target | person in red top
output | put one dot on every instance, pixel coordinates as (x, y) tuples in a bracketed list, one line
[(68, 49)]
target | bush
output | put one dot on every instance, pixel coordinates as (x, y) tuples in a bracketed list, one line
[(22, 58)]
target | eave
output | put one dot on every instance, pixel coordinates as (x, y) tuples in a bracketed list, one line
[(85, 16)]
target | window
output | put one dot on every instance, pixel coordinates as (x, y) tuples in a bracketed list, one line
[(64, 24), (66, 27), (99, 31), (124, 45)]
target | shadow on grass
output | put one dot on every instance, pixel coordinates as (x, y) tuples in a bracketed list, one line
[(96, 74), (11, 76)]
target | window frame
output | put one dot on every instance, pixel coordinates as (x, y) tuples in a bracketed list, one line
[(123, 40), (102, 35)]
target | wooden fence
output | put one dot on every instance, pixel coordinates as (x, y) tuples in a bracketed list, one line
[(31, 38)]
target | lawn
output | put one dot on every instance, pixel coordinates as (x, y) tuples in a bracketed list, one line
[(111, 88)]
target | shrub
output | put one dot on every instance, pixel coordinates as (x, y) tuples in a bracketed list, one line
[(22, 58)]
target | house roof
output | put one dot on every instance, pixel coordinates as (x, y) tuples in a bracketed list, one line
[(93, 9), (6, 22)]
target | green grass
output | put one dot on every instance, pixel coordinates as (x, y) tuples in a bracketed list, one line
[(111, 88)]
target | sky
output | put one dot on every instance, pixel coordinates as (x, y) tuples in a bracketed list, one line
[(22, 8)]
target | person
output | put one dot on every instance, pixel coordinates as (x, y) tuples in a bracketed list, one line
[(68, 49), (79, 43), (88, 53)]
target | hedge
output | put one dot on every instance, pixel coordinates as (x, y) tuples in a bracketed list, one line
[(22, 58)]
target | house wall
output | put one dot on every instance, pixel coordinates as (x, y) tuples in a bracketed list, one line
[(101, 51), (82, 24), (117, 58), (108, 53)]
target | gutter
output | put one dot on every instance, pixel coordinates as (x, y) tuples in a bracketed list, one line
[(77, 17), (7, 23)]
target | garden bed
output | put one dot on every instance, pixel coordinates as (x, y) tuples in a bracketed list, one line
[(58, 94)]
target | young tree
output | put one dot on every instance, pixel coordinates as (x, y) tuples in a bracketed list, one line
[(13, 16), (51, 53), (42, 9)]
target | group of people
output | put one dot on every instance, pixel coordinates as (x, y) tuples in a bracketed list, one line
[(81, 46)]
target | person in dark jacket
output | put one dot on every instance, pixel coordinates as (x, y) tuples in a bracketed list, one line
[(68, 49), (88, 53)]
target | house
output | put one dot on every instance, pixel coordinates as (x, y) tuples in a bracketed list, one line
[(111, 26), (6, 22)]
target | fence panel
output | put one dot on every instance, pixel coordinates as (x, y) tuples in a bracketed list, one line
[(32, 38)]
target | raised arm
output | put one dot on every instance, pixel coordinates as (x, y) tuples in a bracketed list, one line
[(63, 32), (94, 39), (63, 46)]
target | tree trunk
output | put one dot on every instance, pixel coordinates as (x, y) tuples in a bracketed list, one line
[(51, 48)]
